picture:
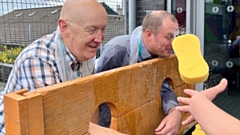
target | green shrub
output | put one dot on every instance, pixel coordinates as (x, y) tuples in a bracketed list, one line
[(9, 55)]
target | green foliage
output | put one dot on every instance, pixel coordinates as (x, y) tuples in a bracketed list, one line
[(9, 55)]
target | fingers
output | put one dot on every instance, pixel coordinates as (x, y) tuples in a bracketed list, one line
[(165, 131), (184, 100), (160, 127), (190, 92), (183, 108), (211, 93), (223, 84), (220, 87), (189, 120)]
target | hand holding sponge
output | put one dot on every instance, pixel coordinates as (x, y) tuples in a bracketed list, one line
[(191, 64)]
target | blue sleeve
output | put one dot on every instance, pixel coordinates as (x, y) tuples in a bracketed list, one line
[(111, 57), (169, 99)]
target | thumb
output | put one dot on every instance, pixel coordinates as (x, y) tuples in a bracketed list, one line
[(211, 93)]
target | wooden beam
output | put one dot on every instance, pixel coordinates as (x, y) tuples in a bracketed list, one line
[(35, 114), (16, 115), (23, 115)]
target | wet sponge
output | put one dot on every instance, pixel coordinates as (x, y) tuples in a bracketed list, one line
[(191, 64)]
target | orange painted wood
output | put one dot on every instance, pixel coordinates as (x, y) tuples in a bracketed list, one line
[(132, 92), (16, 115), (23, 114), (35, 114)]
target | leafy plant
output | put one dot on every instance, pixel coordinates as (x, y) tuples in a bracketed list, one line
[(9, 55)]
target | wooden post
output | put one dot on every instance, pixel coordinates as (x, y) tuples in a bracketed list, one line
[(23, 114)]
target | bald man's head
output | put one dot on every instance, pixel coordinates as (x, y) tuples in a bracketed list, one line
[(82, 25), (80, 10)]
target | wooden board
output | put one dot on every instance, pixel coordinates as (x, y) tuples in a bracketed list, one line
[(133, 93)]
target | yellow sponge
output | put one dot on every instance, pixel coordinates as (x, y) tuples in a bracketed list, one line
[(198, 130), (191, 64)]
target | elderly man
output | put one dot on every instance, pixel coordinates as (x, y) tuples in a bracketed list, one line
[(64, 55)]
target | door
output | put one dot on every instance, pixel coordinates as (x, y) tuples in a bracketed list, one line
[(221, 42), (188, 18), (217, 24), (179, 9)]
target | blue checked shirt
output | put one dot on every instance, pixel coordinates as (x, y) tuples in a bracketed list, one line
[(34, 68)]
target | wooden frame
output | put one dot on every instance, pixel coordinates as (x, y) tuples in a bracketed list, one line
[(132, 92)]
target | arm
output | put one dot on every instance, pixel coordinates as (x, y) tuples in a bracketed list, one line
[(35, 73), (171, 123), (210, 93), (111, 57), (216, 121), (169, 99), (32, 74)]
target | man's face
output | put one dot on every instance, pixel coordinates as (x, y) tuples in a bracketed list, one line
[(161, 43), (86, 36)]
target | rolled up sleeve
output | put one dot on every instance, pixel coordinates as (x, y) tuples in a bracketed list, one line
[(169, 99)]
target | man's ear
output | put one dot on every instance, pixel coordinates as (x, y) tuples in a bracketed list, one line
[(63, 26), (148, 34)]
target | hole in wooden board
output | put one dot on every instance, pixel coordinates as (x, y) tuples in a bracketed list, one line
[(170, 82), (106, 115)]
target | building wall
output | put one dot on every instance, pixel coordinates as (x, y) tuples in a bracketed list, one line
[(146, 6), (19, 30), (115, 27)]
